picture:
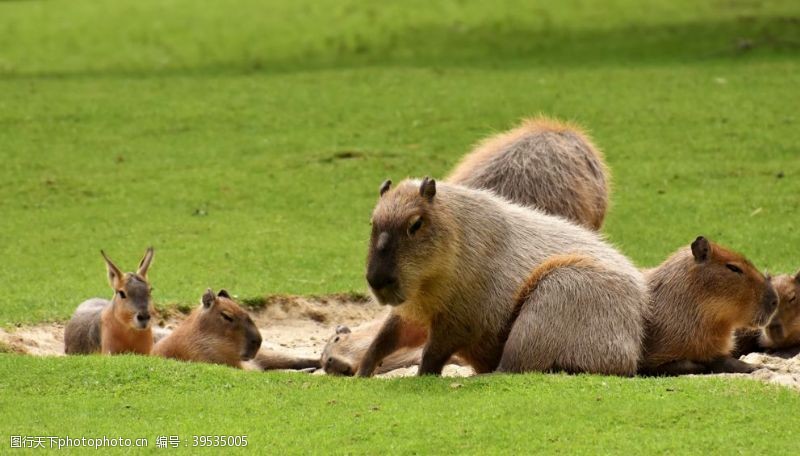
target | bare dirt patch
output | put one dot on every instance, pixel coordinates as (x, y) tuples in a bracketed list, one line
[(301, 326)]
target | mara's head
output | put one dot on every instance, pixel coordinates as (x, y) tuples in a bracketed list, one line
[(736, 290), (784, 328), (131, 302), (409, 234), (336, 358), (228, 324)]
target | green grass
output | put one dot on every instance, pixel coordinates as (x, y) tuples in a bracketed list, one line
[(246, 141), (284, 413)]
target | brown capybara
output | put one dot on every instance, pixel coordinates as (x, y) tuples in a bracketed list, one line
[(542, 163), (121, 325), (783, 330), (451, 259), (267, 359), (217, 332), (699, 297)]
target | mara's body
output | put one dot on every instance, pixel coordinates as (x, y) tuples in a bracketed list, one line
[(119, 325), (700, 296), (456, 261), (218, 332), (542, 163)]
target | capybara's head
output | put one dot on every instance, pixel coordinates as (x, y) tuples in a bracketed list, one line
[(229, 324), (734, 288), (784, 328), (133, 306), (335, 356), (408, 241)]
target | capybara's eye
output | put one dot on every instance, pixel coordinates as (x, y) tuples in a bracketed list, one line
[(121, 294), (226, 317), (793, 298), (415, 226), (734, 268)]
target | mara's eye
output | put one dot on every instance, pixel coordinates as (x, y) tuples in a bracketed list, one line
[(336, 339), (734, 268), (415, 226), (227, 317), (121, 294)]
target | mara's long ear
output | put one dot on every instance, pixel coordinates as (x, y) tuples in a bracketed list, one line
[(385, 186), (224, 293), (209, 298), (427, 189), (701, 249), (114, 274), (342, 329), (145, 263)]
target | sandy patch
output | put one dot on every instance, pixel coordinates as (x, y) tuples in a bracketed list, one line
[(301, 326)]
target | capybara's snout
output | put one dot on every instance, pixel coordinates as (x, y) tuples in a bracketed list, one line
[(769, 304), (337, 366), (253, 344)]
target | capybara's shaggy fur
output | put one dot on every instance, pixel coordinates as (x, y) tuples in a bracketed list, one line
[(543, 163), (344, 350), (699, 297), (452, 259), (121, 325), (218, 332), (783, 330)]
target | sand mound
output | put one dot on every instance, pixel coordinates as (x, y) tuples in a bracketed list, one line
[(300, 326)]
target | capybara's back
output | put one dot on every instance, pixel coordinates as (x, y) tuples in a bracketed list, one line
[(542, 163), (82, 333)]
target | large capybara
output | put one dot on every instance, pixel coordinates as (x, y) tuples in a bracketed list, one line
[(121, 325), (219, 331), (699, 297), (543, 163), (457, 262)]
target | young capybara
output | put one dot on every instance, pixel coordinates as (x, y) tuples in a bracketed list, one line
[(542, 163), (344, 350), (783, 330), (121, 325), (217, 332), (699, 297), (452, 259)]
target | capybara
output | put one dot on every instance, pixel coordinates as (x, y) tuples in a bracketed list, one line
[(700, 296), (121, 325), (543, 163), (217, 332), (783, 330), (344, 350), (462, 263)]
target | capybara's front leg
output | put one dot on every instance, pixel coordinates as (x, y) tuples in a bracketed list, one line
[(440, 347), (675, 368), (385, 343), (730, 365)]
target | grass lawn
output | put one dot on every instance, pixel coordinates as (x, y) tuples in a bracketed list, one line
[(294, 413), (246, 140)]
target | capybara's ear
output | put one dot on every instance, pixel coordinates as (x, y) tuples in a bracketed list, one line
[(224, 293), (427, 188), (145, 263), (701, 249), (342, 329), (209, 298), (114, 274), (385, 186)]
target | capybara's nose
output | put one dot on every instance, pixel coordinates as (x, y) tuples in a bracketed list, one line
[(381, 281)]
